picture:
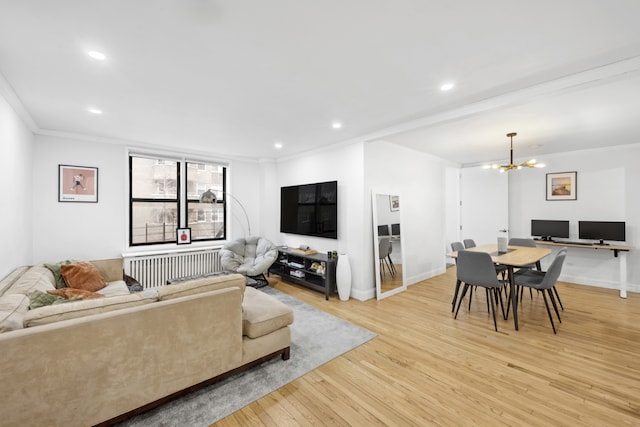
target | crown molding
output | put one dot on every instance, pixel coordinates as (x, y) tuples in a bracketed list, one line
[(7, 92)]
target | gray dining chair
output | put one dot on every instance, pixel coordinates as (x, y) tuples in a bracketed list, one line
[(477, 269), (383, 253), (529, 243), (456, 247), (544, 282), (519, 241), (469, 243)]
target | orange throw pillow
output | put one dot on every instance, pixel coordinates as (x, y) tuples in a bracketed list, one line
[(82, 275), (71, 293)]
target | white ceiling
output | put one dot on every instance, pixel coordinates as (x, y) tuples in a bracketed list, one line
[(233, 77)]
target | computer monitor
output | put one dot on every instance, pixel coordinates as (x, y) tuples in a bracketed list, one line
[(395, 229), (548, 229), (602, 230), (383, 230)]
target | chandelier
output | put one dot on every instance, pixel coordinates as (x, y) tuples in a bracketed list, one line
[(505, 168)]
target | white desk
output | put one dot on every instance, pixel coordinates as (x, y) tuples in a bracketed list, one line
[(619, 251)]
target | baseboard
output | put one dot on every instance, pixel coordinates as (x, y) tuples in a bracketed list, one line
[(412, 280), (631, 287)]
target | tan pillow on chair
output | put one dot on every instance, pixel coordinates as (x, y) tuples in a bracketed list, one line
[(82, 275)]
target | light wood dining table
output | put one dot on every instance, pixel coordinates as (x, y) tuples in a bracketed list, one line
[(516, 256)]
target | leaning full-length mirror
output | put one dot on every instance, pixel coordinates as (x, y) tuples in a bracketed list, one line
[(387, 243)]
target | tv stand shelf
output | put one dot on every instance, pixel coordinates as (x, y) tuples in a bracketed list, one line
[(316, 271)]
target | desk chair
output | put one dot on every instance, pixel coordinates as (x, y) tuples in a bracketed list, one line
[(477, 269), (543, 281)]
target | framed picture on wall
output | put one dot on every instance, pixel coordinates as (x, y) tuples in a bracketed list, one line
[(562, 186), (394, 203), (183, 236), (77, 184)]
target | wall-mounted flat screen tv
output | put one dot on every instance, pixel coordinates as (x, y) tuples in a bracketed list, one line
[(383, 230), (548, 229), (602, 230), (310, 209)]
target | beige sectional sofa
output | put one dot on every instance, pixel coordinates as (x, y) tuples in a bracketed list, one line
[(98, 361)]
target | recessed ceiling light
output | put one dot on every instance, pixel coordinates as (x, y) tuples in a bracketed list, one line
[(94, 111), (278, 145), (336, 125), (447, 86), (97, 55)]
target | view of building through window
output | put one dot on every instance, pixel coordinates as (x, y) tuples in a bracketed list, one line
[(206, 220), (157, 201)]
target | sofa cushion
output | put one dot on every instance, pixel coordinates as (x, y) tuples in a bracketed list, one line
[(55, 269), (119, 287), (82, 275), (204, 284), (12, 311), (75, 309), (110, 269), (263, 314), (11, 278), (72, 293), (37, 277)]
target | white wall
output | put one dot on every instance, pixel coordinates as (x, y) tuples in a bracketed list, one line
[(336, 163), (420, 179), (16, 187), (607, 190), (99, 230), (79, 230)]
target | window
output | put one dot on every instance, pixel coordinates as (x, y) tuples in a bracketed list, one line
[(206, 220), (157, 203)]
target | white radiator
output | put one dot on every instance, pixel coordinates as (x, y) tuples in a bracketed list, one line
[(152, 271)]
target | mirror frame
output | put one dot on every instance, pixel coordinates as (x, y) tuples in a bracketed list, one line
[(376, 262)]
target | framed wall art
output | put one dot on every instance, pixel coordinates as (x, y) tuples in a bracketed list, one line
[(562, 186), (183, 236), (77, 184), (394, 203)]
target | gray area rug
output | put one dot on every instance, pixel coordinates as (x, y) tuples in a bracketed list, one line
[(316, 338)]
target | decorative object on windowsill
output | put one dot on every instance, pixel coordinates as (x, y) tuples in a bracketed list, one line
[(506, 168), (210, 197), (343, 277), (183, 236)]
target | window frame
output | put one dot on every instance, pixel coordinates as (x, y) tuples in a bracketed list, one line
[(181, 199), (192, 200)]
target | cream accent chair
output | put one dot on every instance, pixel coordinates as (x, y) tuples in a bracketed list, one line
[(251, 256)]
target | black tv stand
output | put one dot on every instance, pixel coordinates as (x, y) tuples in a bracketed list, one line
[(314, 271)]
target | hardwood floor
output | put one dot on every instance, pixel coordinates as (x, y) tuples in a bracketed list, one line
[(427, 368)]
